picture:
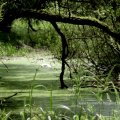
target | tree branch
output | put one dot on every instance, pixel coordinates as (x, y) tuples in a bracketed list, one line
[(57, 18)]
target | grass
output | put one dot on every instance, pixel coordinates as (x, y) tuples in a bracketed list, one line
[(10, 50), (39, 96)]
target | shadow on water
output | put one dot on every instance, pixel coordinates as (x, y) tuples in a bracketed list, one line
[(11, 104), (21, 76), (24, 85)]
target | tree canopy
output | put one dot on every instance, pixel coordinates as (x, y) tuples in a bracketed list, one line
[(64, 11)]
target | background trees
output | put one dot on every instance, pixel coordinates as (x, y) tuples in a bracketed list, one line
[(94, 38)]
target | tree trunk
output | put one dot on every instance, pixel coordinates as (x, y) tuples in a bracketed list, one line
[(63, 85), (64, 54)]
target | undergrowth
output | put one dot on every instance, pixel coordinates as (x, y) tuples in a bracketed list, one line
[(7, 49)]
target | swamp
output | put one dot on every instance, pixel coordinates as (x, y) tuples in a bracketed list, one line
[(59, 60)]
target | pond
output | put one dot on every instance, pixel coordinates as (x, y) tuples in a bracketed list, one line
[(17, 76)]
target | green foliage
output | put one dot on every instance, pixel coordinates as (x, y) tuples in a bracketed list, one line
[(94, 50), (10, 50), (44, 37)]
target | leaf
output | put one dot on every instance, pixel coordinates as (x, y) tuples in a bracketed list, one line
[(75, 117), (64, 107)]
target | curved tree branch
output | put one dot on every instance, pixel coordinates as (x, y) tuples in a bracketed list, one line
[(15, 14)]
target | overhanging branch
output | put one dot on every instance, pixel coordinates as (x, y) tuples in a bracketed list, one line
[(71, 20)]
